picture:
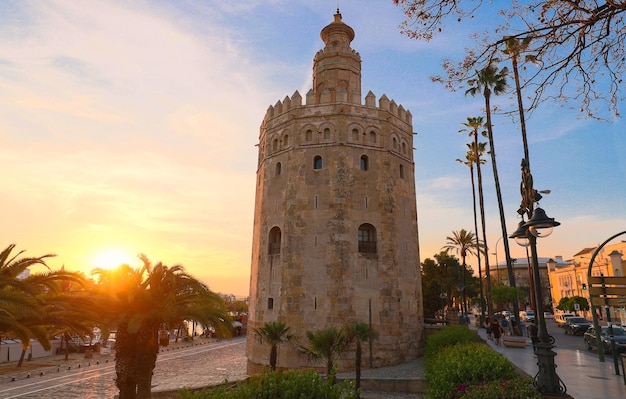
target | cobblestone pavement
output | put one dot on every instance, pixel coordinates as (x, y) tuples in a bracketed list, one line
[(200, 363)]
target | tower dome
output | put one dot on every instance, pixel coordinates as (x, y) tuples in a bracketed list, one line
[(337, 33)]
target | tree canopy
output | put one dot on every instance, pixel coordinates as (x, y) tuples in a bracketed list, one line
[(576, 47)]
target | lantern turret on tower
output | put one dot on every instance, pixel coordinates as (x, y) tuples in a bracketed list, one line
[(337, 67)]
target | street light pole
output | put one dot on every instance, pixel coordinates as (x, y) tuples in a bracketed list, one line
[(497, 264), (539, 224)]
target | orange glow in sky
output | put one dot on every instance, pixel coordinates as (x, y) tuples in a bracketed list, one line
[(131, 128)]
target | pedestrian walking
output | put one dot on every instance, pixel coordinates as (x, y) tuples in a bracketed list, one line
[(496, 330), (487, 326), (504, 323)]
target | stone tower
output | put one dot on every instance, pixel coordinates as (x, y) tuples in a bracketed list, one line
[(335, 221)]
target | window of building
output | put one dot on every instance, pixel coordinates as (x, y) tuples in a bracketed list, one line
[(372, 137), (402, 171), (327, 134), (274, 241), (285, 141), (317, 162), (355, 135), (365, 162), (270, 303), (367, 239), (309, 135), (278, 169), (275, 145), (395, 143), (403, 147)]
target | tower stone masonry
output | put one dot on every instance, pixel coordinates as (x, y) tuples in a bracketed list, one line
[(335, 223)]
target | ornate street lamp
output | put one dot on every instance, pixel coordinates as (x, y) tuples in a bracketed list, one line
[(539, 224)]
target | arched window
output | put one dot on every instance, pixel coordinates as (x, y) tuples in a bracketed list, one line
[(285, 141), (365, 162), (395, 144), (275, 145), (309, 135), (274, 241), (403, 147), (367, 239), (317, 162), (402, 171), (278, 169), (327, 134), (372, 137), (355, 135)]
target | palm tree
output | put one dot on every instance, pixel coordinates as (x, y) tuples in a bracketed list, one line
[(464, 243), (140, 302), (27, 299), (474, 156), (475, 124), (326, 344), (359, 332), (274, 333), (491, 80)]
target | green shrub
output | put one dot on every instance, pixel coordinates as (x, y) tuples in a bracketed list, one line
[(516, 388), (279, 385), (458, 367), (449, 336)]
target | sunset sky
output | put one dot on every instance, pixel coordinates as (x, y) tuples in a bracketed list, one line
[(129, 127)]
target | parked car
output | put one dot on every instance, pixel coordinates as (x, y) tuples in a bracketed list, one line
[(577, 325), (561, 318), (527, 315), (548, 315), (619, 336)]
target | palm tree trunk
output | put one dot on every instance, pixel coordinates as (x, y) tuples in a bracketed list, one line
[(67, 346), (146, 361), (329, 370), (484, 230), (21, 361), (480, 273), (125, 363), (273, 356)]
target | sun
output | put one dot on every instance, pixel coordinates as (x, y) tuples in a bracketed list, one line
[(112, 258)]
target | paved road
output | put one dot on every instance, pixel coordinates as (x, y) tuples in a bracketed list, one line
[(199, 364)]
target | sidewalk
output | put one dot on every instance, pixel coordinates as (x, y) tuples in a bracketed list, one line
[(584, 376)]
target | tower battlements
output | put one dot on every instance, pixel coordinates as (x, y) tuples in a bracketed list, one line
[(295, 101)]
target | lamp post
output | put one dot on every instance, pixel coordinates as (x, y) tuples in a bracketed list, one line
[(547, 382), (497, 264)]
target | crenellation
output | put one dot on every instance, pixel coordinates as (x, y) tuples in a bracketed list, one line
[(325, 96), (329, 99), (310, 98), (296, 99), (269, 114), (393, 108), (401, 113), (383, 103), (278, 108), (370, 99), (286, 104)]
